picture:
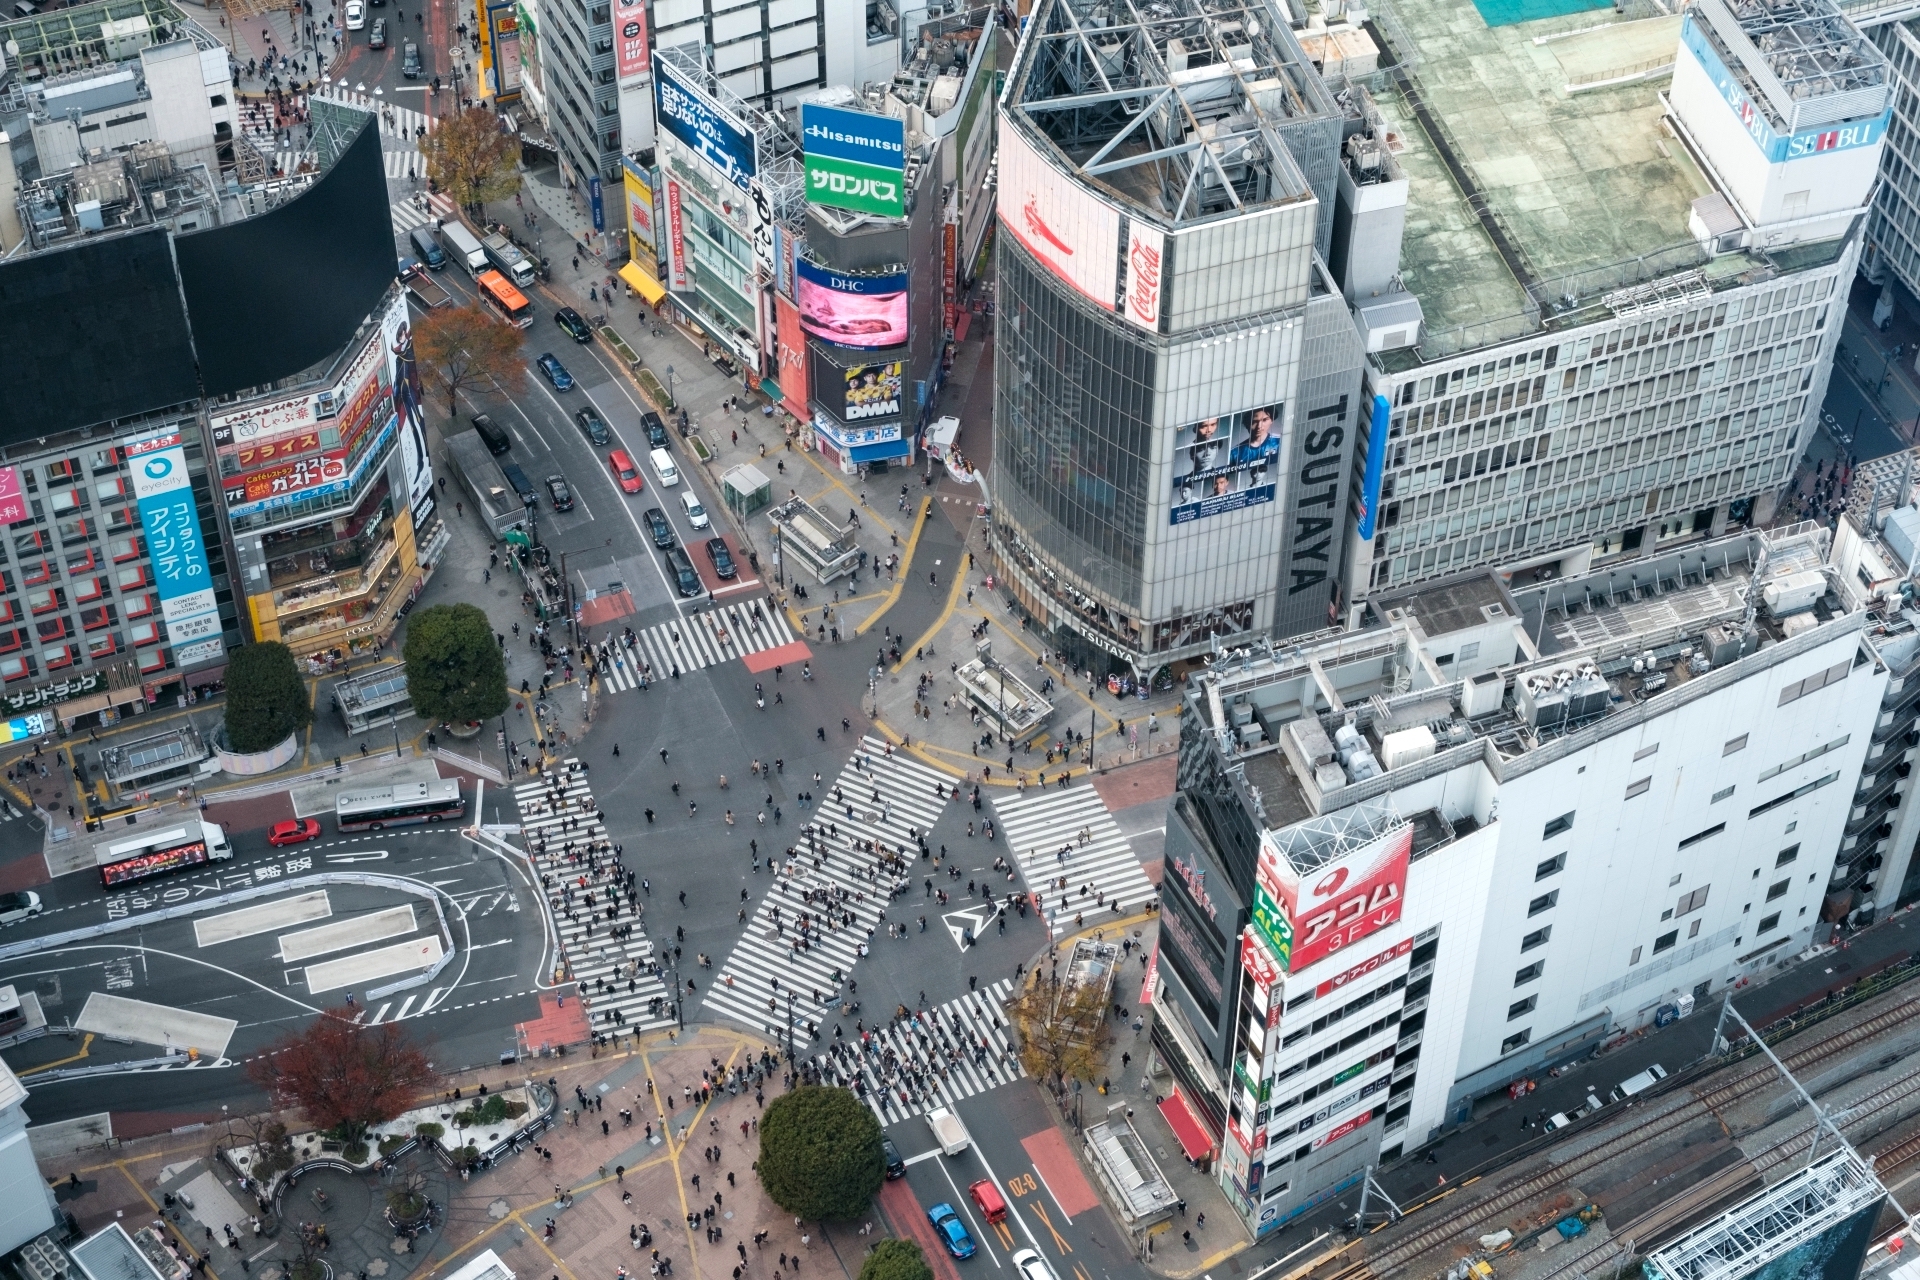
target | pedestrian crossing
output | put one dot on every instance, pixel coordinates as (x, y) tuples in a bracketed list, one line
[(1077, 864), (932, 1058), (595, 914), (722, 634), (832, 894), (412, 1005)]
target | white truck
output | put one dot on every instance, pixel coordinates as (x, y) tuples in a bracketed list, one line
[(464, 247), (1637, 1084), (948, 1131), (506, 255)]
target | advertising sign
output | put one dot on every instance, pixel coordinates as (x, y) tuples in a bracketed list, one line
[(1343, 901), (859, 136), (1075, 235), (1376, 465), (1259, 964), (1365, 967), (712, 134), (676, 238), (639, 206), (409, 406), (13, 502), (1777, 147), (793, 358), (871, 391), (1146, 247), (505, 21), (598, 202), (21, 728), (852, 311), (1342, 1129), (846, 184), (783, 256), (629, 39), (1225, 464), (1271, 923), (762, 223), (174, 540)]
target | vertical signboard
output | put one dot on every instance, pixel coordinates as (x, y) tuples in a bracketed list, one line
[(630, 56), (164, 494), (793, 358), (1376, 465), (13, 502), (639, 212), (1340, 902), (762, 229), (676, 239), (854, 160), (503, 21), (598, 202), (409, 407), (1146, 246)]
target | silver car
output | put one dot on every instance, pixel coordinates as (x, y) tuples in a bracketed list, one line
[(15, 907)]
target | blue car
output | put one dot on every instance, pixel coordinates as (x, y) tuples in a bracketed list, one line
[(556, 372), (951, 1230)]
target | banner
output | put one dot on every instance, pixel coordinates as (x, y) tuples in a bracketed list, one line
[(711, 133), (1365, 967), (1073, 234), (853, 311), (793, 358), (676, 240), (505, 21), (409, 404), (860, 136), (870, 391), (13, 502), (175, 544), (1225, 464), (833, 183), (639, 206), (595, 198), (1342, 901), (630, 56)]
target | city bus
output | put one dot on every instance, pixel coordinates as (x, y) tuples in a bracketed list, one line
[(192, 844), (371, 808), (504, 300)]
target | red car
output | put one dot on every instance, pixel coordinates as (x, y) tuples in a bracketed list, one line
[(624, 471), (294, 831)]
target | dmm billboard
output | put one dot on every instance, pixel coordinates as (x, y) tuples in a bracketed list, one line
[(164, 493), (697, 121), (1342, 901)]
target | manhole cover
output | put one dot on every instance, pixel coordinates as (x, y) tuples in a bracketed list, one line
[(873, 815)]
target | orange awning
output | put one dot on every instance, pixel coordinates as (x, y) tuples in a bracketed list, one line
[(1187, 1127), (644, 284)]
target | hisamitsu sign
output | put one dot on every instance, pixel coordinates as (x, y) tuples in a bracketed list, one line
[(854, 161)]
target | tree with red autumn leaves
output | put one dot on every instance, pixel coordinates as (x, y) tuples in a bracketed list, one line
[(345, 1078)]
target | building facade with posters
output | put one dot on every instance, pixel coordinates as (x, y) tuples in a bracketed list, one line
[(328, 493), (1422, 815)]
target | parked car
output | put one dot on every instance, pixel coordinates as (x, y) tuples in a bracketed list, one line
[(624, 471), (496, 440), (377, 38), (15, 907), (561, 496), (294, 831), (722, 557), (952, 1231), (555, 371), (659, 527), (574, 324), (356, 15), (593, 426), (410, 65), (656, 429)]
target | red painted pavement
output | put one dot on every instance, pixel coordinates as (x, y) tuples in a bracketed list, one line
[(746, 581), (909, 1218), (24, 873), (557, 1024), (784, 655), (605, 608), (1053, 1161)]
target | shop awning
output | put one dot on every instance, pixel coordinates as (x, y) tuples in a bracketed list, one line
[(644, 284), (1187, 1127)]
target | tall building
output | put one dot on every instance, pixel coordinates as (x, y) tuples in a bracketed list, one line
[(1600, 330), (1388, 844)]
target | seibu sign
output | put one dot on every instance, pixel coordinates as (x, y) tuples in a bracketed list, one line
[(1341, 902)]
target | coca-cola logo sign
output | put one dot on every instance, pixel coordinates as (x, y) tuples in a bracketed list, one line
[(1146, 248)]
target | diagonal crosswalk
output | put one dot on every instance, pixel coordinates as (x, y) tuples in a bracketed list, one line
[(932, 1058), (834, 894), (1075, 859), (591, 902), (721, 634)]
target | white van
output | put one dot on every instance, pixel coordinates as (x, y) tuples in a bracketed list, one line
[(696, 514), (1638, 1084), (663, 467)]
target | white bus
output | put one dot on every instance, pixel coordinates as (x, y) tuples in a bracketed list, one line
[(371, 808)]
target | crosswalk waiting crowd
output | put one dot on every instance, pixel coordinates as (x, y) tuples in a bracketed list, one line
[(634, 659)]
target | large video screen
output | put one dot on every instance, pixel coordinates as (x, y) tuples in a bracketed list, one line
[(282, 292), (1226, 464), (853, 310), (1834, 1254), (91, 333)]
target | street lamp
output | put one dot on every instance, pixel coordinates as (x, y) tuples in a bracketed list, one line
[(791, 1068), (670, 400)]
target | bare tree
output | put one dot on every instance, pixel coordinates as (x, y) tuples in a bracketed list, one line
[(461, 349), (471, 158)]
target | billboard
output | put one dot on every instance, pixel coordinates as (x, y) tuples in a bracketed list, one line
[(295, 457), (854, 160), (1060, 223), (1341, 902), (630, 57), (1365, 967), (639, 208), (847, 184), (793, 357), (1376, 464), (1226, 464), (409, 402), (676, 239), (696, 121), (1146, 252), (164, 494), (867, 392), (504, 19), (13, 503), (852, 311)]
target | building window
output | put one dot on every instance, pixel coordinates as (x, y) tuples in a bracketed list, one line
[(1644, 752), (1636, 957), (1521, 977), (1538, 938), (1639, 786), (1786, 855), (1551, 867), (1545, 902), (1665, 941), (1734, 744), (1515, 1040), (1690, 902), (1778, 889), (13, 668), (1722, 794), (1769, 922), (1793, 795), (1561, 824), (1708, 834), (1521, 1008)]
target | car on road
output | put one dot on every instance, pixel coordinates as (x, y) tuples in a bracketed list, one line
[(294, 831), (561, 495), (496, 440), (410, 64), (377, 38), (657, 526), (696, 514), (593, 425), (1032, 1266), (555, 372), (15, 907), (986, 1197), (896, 1167), (953, 1232), (722, 557), (574, 324), (656, 429), (625, 472), (356, 15), (685, 578)]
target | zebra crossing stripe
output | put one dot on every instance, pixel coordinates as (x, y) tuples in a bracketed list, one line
[(695, 643), (905, 1067), (1102, 872)]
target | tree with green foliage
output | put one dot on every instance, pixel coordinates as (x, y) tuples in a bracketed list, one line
[(896, 1260), (266, 699), (455, 671), (820, 1154)]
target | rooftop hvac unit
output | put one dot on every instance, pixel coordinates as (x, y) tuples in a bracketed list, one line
[(1588, 694), (1793, 592), (1543, 696), (1481, 695), (1407, 746), (1721, 644)]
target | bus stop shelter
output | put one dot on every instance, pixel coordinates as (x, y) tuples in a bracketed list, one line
[(746, 490)]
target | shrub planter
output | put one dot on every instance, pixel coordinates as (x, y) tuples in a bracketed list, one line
[(248, 763)]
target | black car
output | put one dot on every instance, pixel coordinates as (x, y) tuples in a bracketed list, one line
[(558, 491), (410, 65), (657, 525), (378, 40), (688, 580), (722, 557), (896, 1167), (591, 424), (656, 429), (571, 321)]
